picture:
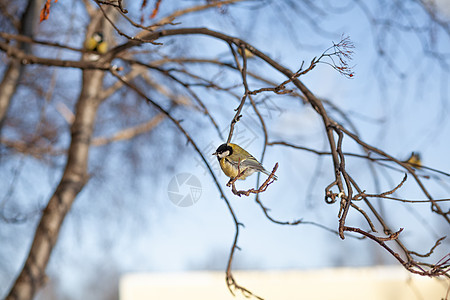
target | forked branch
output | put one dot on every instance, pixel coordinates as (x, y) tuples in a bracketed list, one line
[(261, 189)]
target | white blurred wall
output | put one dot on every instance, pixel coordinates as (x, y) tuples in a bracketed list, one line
[(378, 283)]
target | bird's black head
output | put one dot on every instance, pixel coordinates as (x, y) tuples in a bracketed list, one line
[(223, 151)]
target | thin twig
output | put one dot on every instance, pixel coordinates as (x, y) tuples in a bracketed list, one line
[(261, 189)]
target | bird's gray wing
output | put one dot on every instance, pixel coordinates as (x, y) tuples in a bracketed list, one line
[(252, 163)]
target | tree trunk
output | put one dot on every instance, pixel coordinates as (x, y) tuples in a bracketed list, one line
[(8, 88), (11, 76), (75, 176)]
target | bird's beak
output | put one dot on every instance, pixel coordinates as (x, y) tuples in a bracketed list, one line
[(215, 153)]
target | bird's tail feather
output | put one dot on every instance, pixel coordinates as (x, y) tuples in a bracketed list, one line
[(268, 174)]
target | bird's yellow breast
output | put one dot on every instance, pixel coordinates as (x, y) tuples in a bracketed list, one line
[(102, 48), (231, 170), (90, 44)]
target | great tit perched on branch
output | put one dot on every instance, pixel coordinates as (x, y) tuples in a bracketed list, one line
[(247, 53), (415, 160), (234, 161), (96, 43)]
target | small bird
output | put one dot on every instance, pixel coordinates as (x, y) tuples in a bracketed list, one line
[(415, 160), (234, 161), (96, 43), (247, 53)]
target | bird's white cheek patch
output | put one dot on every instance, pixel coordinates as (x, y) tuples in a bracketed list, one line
[(224, 154)]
